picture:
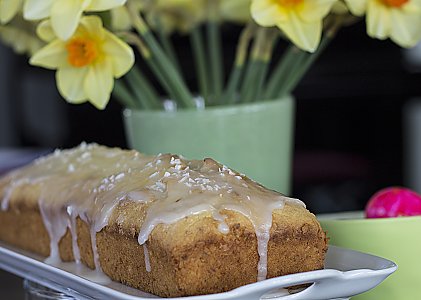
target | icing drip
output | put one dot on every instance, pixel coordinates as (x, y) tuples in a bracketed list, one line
[(222, 227), (95, 249), (56, 224), (90, 181), (73, 230), (147, 260), (262, 248)]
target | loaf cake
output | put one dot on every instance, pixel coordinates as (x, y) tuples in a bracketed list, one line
[(163, 224)]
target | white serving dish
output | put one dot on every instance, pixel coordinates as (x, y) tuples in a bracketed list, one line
[(347, 273)]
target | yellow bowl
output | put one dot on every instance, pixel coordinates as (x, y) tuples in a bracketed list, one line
[(397, 239)]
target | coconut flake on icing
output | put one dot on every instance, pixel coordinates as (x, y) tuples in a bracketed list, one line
[(90, 181)]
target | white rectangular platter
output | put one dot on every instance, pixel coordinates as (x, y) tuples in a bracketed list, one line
[(347, 273)]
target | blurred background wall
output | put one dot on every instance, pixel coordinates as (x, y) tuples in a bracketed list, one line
[(358, 118)]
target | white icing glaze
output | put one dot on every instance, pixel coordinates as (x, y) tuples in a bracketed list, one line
[(95, 249), (83, 271), (90, 180), (73, 230), (222, 227)]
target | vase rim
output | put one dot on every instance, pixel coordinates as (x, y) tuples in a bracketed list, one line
[(254, 106)]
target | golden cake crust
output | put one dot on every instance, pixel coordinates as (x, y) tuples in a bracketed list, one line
[(190, 257)]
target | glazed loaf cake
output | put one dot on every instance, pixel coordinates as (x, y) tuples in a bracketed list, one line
[(162, 224)]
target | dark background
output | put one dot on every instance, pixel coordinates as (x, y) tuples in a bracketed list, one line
[(349, 138)]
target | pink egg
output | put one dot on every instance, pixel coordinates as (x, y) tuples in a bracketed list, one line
[(393, 202)]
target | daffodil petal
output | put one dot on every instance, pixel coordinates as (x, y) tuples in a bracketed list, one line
[(340, 8), (51, 56), (8, 9), (378, 20), (36, 9), (120, 54), (357, 7), (45, 31), (305, 35), (120, 19), (99, 83), (406, 29), (65, 16), (100, 5), (92, 25), (267, 12), (314, 10), (70, 84)]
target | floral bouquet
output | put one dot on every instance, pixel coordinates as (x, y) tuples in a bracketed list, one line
[(90, 43)]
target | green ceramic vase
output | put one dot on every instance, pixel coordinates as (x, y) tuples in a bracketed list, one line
[(255, 139)]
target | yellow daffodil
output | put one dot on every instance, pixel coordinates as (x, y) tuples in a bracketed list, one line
[(176, 15), (87, 63), (340, 8), (300, 20), (8, 9), (20, 35), (399, 20), (65, 14), (235, 10), (120, 16)]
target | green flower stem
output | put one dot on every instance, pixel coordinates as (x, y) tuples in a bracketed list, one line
[(142, 89), (260, 80), (146, 54), (215, 57), (196, 40), (229, 96), (254, 68), (301, 67), (246, 36), (281, 72), (167, 45), (303, 60), (257, 67), (265, 54), (168, 75), (122, 94)]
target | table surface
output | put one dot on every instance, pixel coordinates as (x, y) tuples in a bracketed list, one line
[(12, 158), (11, 286)]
